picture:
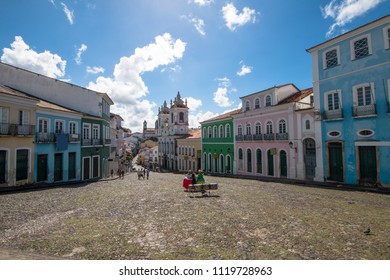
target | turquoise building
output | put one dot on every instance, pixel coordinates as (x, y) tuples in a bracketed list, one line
[(351, 76), (57, 144)]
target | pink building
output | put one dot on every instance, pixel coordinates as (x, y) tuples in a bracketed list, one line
[(274, 133)]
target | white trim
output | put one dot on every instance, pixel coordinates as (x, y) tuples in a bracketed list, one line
[(337, 48), (365, 136), (363, 85), (331, 136), (352, 47), (372, 143), (82, 167), (48, 125), (63, 125), (7, 164), (92, 166), (28, 163)]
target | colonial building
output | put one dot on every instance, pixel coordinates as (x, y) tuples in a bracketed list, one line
[(189, 149), (95, 106), (172, 123), (351, 76), (267, 141), (218, 143), (17, 129)]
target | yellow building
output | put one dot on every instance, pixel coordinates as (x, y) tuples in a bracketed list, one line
[(17, 128), (189, 150)]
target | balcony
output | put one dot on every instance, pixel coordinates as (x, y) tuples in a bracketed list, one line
[(248, 137), (45, 137), (281, 136), (107, 141), (258, 137), (333, 114), (75, 137), (17, 129), (269, 136), (361, 111), (239, 137)]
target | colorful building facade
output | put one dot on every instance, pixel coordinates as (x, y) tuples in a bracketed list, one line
[(218, 144), (351, 76)]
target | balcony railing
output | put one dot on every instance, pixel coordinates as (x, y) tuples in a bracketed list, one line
[(367, 110), (269, 136), (74, 137), (239, 137), (45, 137), (107, 141), (281, 136), (258, 137), (248, 137), (333, 114), (16, 129)]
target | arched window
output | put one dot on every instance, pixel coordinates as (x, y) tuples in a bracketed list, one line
[(268, 101), (204, 133), (215, 132), (239, 130), (227, 130), (249, 160), (248, 129), (269, 127), (209, 132), (181, 117), (257, 103), (247, 106), (240, 159), (258, 128), (259, 161), (221, 134), (307, 124), (282, 126)]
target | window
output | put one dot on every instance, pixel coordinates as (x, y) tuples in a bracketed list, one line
[(59, 126), (257, 103), (221, 134), (268, 101), (361, 47), (239, 130), (86, 131), (215, 132), (227, 130), (365, 133), (204, 133), (95, 132), (307, 125), (334, 133), (43, 126), (331, 58), (23, 121), (269, 127), (209, 132), (240, 159), (333, 101), (4, 120), (3, 166), (181, 117), (282, 126), (258, 128), (248, 129), (386, 36), (247, 106)]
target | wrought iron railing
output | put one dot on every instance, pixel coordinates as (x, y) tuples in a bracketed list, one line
[(258, 137), (248, 137), (364, 110), (239, 137), (281, 136), (17, 129), (333, 114), (269, 136)]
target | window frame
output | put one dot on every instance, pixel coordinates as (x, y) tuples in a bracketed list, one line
[(268, 101), (353, 50), (324, 60), (386, 37)]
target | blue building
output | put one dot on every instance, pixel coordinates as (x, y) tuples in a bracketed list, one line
[(57, 144), (351, 76)]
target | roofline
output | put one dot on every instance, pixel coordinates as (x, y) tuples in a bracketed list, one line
[(56, 80), (349, 33), (230, 116), (274, 87)]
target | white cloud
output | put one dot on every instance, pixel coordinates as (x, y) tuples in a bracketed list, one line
[(244, 70), (45, 63), (197, 22), (196, 119), (221, 97), (202, 2), (234, 19), (344, 11), (69, 14), (95, 70), (192, 103), (126, 87), (80, 51)]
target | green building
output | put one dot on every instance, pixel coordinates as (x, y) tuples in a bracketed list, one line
[(218, 143)]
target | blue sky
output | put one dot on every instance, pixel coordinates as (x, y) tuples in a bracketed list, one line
[(142, 52)]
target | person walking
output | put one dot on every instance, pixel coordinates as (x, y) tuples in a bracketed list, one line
[(147, 173)]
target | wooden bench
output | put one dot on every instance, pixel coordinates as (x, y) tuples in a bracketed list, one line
[(203, 188)]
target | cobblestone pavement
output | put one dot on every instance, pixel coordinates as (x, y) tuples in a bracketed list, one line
[(156, 219)]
